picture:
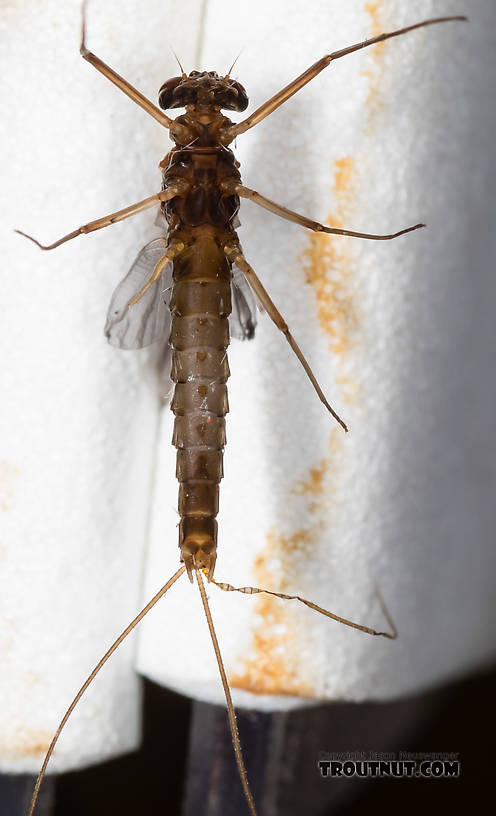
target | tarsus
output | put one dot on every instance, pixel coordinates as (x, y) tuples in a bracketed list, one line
[(249, 590)]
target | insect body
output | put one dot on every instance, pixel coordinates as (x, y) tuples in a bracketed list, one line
[(201, 224), (200, 270)]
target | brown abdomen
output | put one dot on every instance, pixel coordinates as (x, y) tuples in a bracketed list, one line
[(200, 305)]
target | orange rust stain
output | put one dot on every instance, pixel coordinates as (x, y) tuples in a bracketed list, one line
[(273, 664), (8, 475), (345, 168), (376, 53), (36, 743), (315, 482), (327, 266), (373, 9), (273, 667), (349, 389), (269, 671), (328, 263), (31, 743)]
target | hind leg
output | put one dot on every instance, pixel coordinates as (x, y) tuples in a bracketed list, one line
[(235, 255)]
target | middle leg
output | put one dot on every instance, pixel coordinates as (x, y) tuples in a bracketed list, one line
[(290, 215)]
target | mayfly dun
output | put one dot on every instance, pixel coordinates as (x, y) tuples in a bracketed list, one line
[(194, 285)]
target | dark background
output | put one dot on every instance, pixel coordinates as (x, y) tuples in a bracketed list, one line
[(281, 752)]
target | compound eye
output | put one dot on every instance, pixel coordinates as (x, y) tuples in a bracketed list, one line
[(236, 97), (166, 93)]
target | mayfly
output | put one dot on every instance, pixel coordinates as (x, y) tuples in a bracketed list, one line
[(194, 286)]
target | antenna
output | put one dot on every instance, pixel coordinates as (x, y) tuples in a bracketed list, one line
[(183, 74)]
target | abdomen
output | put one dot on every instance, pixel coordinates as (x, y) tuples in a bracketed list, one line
[(200, 305)]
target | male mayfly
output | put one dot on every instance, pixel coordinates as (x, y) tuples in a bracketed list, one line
[(195, 286)]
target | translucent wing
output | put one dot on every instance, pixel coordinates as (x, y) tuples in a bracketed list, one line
[(149, 320), (243, 318)]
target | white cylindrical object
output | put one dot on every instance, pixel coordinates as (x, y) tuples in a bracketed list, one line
[(383, 139)]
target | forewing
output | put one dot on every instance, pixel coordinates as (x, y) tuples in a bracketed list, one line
[(243, 318), (149, 320)]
